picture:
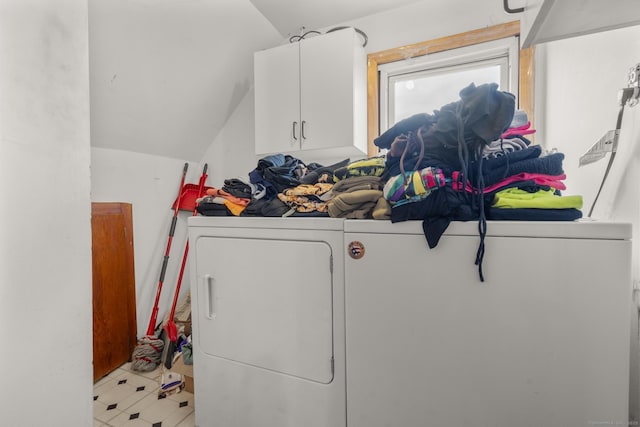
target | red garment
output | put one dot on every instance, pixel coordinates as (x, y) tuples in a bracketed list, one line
[(520, 130), (553, 181)]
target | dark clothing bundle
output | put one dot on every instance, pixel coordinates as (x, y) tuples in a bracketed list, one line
[(453, 139), (316, 173), (207, 207), (237, 188), (450, 139), (295, 189), (277, 173), (265, 207), (291, 187), (528, 160), (480, 116)]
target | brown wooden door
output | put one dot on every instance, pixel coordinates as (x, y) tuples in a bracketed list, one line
[(114, 297)]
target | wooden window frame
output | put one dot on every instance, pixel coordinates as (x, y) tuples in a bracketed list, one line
[(469, 38)]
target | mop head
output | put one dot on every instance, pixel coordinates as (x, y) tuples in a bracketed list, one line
[(172, 382), (148, 354)]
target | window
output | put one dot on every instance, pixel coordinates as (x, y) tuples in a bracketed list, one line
[(402, 84), (421, 85)]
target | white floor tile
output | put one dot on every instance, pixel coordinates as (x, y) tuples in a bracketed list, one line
[(117, 394), (176, 418), (135, 396), (126, 420), (152, 409), (190, 421), (103, 386), (101, 381), (182, 396), (101, 411)]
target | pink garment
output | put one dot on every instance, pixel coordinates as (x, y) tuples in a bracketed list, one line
[(520, 130), (553, 181)]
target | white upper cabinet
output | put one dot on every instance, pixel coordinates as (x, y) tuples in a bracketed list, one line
[(277, 99), (310, 97), (548, 20)]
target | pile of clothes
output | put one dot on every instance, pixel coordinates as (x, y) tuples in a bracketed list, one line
[(469, 161), (282, 185)]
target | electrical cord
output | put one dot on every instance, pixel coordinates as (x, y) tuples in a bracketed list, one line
[(297, 38), (364, 36), (294, 39)]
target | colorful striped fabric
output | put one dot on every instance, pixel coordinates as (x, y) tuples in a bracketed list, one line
[(414, 185)]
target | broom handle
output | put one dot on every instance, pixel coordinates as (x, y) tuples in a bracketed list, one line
[(203, 178), (154, 313)]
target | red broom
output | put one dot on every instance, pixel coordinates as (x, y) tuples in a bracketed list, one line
[(170, 327), (148, 352)]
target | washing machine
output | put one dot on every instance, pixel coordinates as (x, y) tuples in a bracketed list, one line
[(544, 340), (268, 321)]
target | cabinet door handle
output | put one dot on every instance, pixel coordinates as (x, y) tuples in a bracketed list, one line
[(208, 283), (302, 130), (293, 128), (507, 9)]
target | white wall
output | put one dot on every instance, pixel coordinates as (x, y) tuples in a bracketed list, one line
[(577, 84), (45, 238), (150, 183), (429, 19), (231, 154)]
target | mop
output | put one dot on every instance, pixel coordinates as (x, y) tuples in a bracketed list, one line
[(148, 352), (170, 327), (173, 382)]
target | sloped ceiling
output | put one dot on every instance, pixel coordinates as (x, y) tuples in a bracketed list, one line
[(166, 74), (288, 16)]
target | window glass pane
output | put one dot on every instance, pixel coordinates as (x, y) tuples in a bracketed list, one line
[(424, 83), (424, 92)]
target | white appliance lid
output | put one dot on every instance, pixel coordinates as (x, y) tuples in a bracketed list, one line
[(300, 223), (582, 229)]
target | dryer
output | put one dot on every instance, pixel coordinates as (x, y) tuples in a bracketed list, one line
[(268, 321)]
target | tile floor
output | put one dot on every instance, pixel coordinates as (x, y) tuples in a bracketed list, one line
[(130, 398)]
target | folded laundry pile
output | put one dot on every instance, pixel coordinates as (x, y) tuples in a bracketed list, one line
[(471, 160)]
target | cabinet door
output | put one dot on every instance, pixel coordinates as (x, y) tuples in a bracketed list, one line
[(328, 71), (277, 99), (114, 293)]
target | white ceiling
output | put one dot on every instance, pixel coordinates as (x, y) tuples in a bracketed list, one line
[(288, 16), (167, 74)]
